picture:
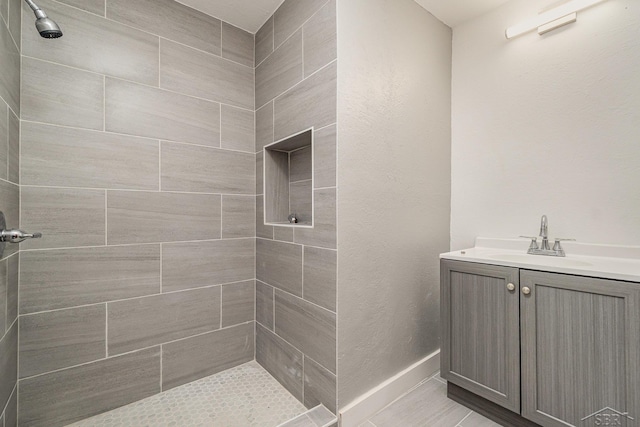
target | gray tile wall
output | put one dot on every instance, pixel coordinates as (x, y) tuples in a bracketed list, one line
[(138, 167), (296, 269), (10, 204)]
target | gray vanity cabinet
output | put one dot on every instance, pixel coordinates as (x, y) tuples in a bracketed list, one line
[(580, 350), (558, 349), (481, 343)]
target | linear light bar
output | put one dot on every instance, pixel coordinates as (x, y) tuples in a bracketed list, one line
[(555, 14)]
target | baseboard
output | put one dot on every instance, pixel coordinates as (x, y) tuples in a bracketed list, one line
[(365, 406)]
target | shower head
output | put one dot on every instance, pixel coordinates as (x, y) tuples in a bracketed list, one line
[(45, 26)]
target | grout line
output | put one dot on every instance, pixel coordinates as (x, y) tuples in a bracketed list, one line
[(160, 166), (220, 314), (462, 420), (106, 216), (106, 329), (159, 61), (127, 190), (161, 357), (146, 138), (137, 350), (161, 263), (54, 310), (104, 101), (335, 61)]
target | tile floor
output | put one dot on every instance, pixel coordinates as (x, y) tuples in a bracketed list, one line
[(427, 405), (245, 396)]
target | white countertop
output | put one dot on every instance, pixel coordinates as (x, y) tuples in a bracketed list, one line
[(593, 260)]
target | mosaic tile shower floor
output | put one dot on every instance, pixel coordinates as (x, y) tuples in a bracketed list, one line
[(244, 396)]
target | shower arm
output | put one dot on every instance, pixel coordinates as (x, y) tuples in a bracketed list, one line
[(39, 12)]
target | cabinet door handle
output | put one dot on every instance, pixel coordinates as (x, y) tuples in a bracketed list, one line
[(511, 287), (526, 290)]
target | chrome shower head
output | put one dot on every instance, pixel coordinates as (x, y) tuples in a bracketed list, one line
[(45, 26)]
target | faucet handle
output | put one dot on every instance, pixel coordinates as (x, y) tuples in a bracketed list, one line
[(534, 242), (557, 246)]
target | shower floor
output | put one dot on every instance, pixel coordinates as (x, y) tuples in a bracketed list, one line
[(239, 397)]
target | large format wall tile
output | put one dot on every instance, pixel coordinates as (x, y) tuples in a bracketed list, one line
[(312, 103), (206, 170), (200, 74), (194, 358), (324, 148), (94, 43), (56, 156), (93, 6), (279, 264), (169, 19), (13, 264), (323, 233), (238, 303), (9, 70), (264, 41), (280, 359), (135, 109), (259, 173), (146, 217), (238, 129), (264, 231), (237, 45), (61, 95), (10, 203), (148, 321), (3, 299), (4, 139), (238, 213), (11, 413), (15, 23), (291, 15), (320, 266), (280, 71), (72, 277), (264, 126), (8, 363), (300, 165), (319, 386), (264, 304), (66, 217), (320, 39), (301, 200), (198, 264), (4, 14), (14, 148), (60, 339), (62, 397), (296, 318)]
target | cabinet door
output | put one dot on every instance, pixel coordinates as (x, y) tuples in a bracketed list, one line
[(480, 321), (580, 350)]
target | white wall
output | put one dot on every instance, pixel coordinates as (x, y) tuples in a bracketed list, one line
[(547, 125), (394, 94)]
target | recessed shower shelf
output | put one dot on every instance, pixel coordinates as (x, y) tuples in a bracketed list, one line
[(288, 181)]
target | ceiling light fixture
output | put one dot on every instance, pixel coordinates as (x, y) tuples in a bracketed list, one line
[(551, 19)]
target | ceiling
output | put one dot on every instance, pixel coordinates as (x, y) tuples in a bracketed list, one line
[(454, 12), (246, 14), (251, 14)]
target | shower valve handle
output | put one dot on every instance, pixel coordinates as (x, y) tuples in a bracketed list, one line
[(17, 236)]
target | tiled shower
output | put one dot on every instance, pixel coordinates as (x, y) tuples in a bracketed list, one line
[(139, 159)]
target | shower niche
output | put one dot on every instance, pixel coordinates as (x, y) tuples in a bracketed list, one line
[(288, 181)]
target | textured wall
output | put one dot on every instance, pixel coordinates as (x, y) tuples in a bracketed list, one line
[(547, 125), (296, 269), (9, 204), (394, 187), (138, 166)]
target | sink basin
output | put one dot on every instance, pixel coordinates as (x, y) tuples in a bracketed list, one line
[(539, 260)]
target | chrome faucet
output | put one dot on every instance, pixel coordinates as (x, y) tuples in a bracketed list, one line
[(544, 248), (544, 233)]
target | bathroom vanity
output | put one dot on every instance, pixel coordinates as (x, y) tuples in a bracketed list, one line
[(533, 340)]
